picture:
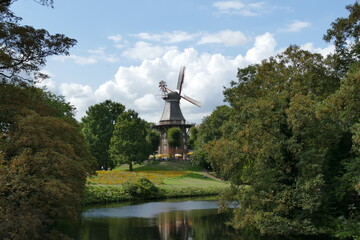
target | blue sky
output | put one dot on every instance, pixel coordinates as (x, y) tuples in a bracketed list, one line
[(126, 47)]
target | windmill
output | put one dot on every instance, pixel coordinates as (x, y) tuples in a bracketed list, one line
[(172, 115)]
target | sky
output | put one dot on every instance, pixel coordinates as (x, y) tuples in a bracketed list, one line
[(125, 48)]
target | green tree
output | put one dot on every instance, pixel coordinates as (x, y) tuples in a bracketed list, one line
[(280, 155), (345, 33), (128, 144), (153, 138), (44, 162), (98, 126), (213, 127), (174, 137), (192, 137), (24, 49)]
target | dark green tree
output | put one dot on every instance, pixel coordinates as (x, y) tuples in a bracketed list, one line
[(174, 137), (128, 144), (98, 126), (192, 137), (44, 163), (153, 138), (291, 152)]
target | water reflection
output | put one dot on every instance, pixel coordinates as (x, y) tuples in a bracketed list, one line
[(183, 220)]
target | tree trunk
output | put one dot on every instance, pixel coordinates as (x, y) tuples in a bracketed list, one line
[(131, 166)]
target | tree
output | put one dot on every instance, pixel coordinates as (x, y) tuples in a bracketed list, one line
[(192, 137), (24, 49), (153, 138), (282, 156), (98, 126), (44, 163), (174, 137), (213, 127), (128, 143), (346, 32)]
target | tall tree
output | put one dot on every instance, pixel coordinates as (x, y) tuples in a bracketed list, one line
[(153, 138), (213, 127), (174, 137), (44, 163), (98, 126), (128, 144)]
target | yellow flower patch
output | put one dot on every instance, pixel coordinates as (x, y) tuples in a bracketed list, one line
[(119, 177)]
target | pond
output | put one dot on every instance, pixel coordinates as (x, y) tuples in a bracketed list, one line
[(191, 219), (176, 219)]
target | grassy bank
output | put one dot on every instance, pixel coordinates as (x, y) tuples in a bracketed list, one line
[(172, 179)]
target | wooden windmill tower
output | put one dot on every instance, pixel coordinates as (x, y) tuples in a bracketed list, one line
[(172, 116)]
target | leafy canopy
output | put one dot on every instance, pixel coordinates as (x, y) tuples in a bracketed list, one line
[(98, 126)]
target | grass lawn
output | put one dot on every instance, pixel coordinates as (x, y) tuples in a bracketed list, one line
[(161, 173)]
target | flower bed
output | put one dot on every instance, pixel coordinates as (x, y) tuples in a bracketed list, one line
[(118, 177)]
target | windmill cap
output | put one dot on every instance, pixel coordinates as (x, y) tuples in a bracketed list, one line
[(173, 95)]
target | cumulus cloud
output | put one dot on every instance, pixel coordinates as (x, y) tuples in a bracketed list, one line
[(226, 37), (237, 7), (323, 51), (264, 47), (296, 26), (166, 37), (143, 50), (206, 74)]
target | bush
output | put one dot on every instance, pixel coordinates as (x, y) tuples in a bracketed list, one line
[(143, 188)]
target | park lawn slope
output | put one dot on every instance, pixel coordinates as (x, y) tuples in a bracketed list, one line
[(173, 179)]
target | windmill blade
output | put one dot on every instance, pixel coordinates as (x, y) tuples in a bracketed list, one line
[(191, 100), (180, 79)]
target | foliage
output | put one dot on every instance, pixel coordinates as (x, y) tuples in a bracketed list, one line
[(44, 164), (174, 137), (128, 143), (346, 32), (192, 137), (108, 194), (24, 49), (213, 127), (143, 188), (153, 138), (291, 154), (98, 126)]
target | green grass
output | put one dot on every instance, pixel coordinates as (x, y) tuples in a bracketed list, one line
[(194, 179), (163, 166)]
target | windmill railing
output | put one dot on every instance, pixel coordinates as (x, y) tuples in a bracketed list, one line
[(175, 122)]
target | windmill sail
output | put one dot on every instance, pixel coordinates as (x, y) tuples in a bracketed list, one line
[(181, 79)]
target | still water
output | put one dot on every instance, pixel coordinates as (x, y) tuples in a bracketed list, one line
[(185, 220)]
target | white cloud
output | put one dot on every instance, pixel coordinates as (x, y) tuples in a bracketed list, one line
[(236, 7), (147, 103), (228, 5), (77, 59), (296, 26), (323, 51), (116, 38), (226, 37), (166, 37), (137, 86), (81, 96), (144, 50), (96, 55), (264, 47)]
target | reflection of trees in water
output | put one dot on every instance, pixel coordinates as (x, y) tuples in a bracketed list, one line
[(176, 225)]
